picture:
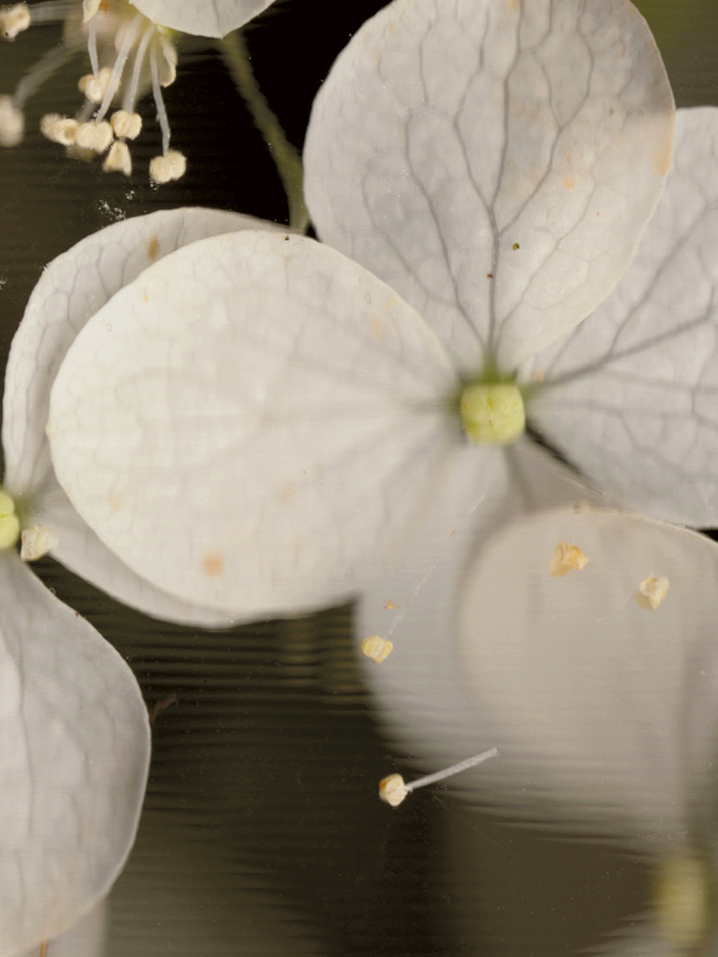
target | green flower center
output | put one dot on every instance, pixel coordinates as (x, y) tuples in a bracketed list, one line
[(9, 522), (492, 412)]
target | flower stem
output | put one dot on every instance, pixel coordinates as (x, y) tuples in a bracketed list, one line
[(286, 157)]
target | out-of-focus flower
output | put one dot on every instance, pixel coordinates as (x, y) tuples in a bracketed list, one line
[(131, 49)]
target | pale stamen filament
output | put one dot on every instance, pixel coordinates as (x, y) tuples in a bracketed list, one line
[(49, 64), (127, 43), (159, 101), (130, 97), (52, 11), (92, 45)]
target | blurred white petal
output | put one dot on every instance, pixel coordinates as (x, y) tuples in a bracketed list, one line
[(73, 765), (637, 382), (529, 143)]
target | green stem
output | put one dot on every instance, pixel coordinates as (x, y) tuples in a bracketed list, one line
[(286, 157)]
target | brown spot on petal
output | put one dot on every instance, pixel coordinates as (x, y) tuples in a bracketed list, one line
[(213, 563), (153, 247)]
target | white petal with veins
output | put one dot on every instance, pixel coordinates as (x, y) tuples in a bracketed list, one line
[(71, 289), (73, 764), (635, 404), (259, 428), (205, 18), (448, 132)]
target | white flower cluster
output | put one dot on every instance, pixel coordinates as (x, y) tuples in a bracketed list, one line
[(518, 255)]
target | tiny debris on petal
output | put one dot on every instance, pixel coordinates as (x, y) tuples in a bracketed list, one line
[(651, 592), (12, 123), (37, 541), (59, 129), (126, 125), (171, 165), (376, 648), (94, 136), (392, 790), (14, 19), (566, 558), (118, 159), (94, 87)]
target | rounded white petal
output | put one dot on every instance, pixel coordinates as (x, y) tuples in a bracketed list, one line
[(592, 699), (205, 18), (70, 291), (496, 162), (73, 765), (635, 399), (253, 423)]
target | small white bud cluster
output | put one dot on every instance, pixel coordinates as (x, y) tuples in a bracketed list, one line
[(14, 19), (171, 165), (12, 123)]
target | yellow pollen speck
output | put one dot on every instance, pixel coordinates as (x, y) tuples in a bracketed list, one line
[(569, 182), (153, 247), (392, 789), (389, 605), (378, 329), (376, 648), (651, 592), (213, 563), (566, 558)]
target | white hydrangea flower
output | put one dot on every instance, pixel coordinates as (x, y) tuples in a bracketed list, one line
[(362, 430), (131, 49)]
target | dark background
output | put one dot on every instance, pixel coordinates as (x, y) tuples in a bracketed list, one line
[(262, 831)]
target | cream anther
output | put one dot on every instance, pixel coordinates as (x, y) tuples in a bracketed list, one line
[(12, 123), (9, 523), (126, 125), (94, 136), (14, 20), (567, 558), (37, 541), (393, 789), (171, 165), (59, 129), (492, 412), (651, 592), (95, 86), (376, 648), (118, 160)]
